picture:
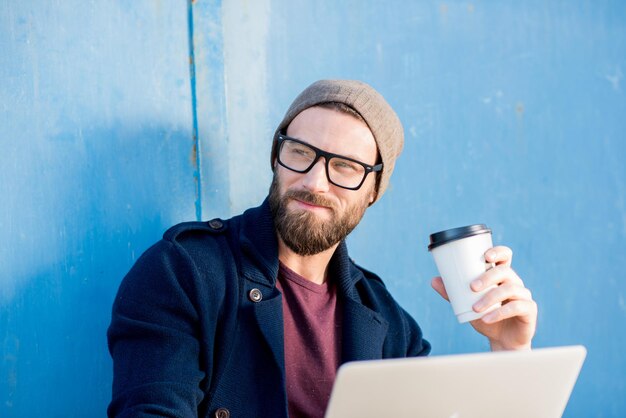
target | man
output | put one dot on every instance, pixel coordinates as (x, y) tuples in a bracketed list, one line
[(250, 317)]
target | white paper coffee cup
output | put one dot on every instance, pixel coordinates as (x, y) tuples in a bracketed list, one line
[(460, 257)]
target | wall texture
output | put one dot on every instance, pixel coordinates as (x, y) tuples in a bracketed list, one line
[(96, 158), (119, 119)]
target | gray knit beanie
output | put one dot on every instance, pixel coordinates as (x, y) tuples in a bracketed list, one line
[(379, 116)]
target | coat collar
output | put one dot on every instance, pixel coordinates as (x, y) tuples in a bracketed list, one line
[(364, 330), (259, 247)]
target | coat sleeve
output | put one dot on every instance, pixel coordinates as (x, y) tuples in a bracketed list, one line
[(153, 338), (404, 336), (417, 345)]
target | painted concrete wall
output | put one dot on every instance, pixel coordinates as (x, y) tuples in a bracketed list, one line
[(121, 118), (96, 158)]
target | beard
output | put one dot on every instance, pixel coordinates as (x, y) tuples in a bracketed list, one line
[(301, 230)]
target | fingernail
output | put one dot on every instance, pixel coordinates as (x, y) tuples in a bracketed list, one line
[(491, 255), (477, 306), (477, 284)]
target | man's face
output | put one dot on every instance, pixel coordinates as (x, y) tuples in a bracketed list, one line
[(310, 213)]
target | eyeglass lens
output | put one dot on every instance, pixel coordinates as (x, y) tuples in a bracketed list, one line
[(300, 157)]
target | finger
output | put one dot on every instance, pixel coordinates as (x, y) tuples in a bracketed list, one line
[(499, 255), (524, 310), (437, 284), (501, 294), (495, 277)]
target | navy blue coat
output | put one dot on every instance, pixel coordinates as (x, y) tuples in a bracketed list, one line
[(187, 338)]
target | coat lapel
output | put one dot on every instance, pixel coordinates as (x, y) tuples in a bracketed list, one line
[(364, 330), (364, 333), (269, 317), (259, 264)]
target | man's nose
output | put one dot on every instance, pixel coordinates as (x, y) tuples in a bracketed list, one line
[(315, 179)]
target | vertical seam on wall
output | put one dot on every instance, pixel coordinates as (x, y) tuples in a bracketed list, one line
[(194, 111)]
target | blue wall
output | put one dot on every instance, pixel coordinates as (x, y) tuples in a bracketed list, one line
[(96, 157), (119, 119)]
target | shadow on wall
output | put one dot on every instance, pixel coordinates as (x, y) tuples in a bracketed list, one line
[(79, 208)]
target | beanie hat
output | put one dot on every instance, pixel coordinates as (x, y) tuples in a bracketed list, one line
[(379, 116)]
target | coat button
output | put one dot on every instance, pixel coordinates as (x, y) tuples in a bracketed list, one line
[(222, 413), (255, 295), (216, 223)]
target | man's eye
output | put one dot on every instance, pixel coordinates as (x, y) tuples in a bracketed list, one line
[(345, 165), (301, 151)]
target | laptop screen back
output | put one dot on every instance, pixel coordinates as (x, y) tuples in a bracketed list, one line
[(513, 384)]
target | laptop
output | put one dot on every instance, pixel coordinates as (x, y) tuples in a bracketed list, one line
[(512, 384)]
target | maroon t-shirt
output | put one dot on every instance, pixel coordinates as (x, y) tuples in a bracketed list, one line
[(312, 323)]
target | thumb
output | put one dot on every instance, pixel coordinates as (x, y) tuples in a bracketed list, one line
[(437, 284)]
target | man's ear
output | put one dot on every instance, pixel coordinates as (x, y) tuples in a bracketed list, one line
[(372, 197)]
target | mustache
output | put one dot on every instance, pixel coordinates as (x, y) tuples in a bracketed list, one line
[(308, 197)]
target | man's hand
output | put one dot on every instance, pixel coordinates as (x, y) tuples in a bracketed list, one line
[(511, 326)]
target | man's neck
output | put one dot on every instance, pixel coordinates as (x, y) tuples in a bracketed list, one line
[(312, 267)]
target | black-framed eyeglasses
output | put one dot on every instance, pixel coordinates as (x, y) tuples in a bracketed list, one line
[(341, 171)]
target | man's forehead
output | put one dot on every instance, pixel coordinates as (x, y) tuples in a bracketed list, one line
[(318, 121)]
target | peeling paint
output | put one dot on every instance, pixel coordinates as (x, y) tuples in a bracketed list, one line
[(615, 78), (10, 354), (195, 156)]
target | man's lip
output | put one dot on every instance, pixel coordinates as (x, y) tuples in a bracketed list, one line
[(302, 202)]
